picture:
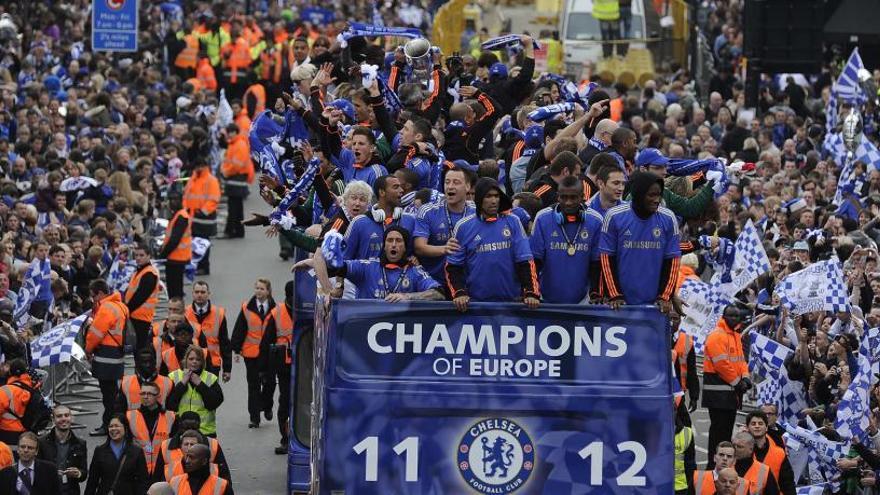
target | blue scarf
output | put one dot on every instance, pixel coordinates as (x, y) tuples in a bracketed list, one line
[(549, 111), (500, 42), (599, 145), (356, 29), (299, 189)]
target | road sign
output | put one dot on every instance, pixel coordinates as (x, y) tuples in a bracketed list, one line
[(115, 25), (420, 399)]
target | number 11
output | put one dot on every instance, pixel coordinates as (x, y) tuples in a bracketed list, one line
[(409, 447)]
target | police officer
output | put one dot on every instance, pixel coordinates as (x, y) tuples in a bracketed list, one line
[(249, 341), (209, 319), (196, 389), (104, 345), (142, 295), (177, 247), (565, 244), (495, 262), (725, 376)]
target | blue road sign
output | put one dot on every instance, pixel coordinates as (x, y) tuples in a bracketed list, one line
[(420, 399), (115, 25)]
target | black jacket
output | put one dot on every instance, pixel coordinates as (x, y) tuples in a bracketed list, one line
[(239, 331), (45, 476), (77, 457), (133, 478)]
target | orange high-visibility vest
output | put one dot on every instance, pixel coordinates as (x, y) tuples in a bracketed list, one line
[(183, 251), (160, 345), (172, 456), (243, 121), (5, 455), (205, 74), (214, 485), (141, 435), (283, 329), (148, 309), (210, 326), (683, 346), (239, 57), (773, 459), (256, 329), (130, 387), (704, 484), (196, 84), (108, 325), (238, 159), (272, 62), (13, 400), (186, 59), (757, 476), (258, 92), (202, 192), (176, 469), (169, 357)]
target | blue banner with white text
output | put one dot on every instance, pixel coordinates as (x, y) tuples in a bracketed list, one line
[(420, 399)]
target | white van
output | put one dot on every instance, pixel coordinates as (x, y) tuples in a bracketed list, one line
[(581, 37)]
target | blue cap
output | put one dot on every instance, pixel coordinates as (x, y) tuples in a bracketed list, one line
[(534, 137), (345, 107), (651, 156), (464, 164), (498, 70)]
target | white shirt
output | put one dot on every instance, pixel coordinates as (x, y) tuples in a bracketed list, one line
[(201, 310)]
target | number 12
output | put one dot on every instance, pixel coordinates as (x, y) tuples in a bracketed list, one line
[(594, 452)]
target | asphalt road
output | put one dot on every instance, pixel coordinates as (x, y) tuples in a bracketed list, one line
[(235, 264)]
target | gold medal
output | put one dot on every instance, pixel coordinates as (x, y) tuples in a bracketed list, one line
[(571, 250)]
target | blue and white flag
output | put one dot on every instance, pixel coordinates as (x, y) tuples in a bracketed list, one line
[(703, 305), (56, 345), (813, 489), (722, 258), (854, 409), (823, 453), (120, 273), (332, 249), (200, 246), (818, 287), (37, 274), (504, 41), (356, 29), (750, 262), (766, 355), (77, 183), (301, 188), (549, 111)]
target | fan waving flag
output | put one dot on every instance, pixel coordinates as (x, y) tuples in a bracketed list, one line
[(703, 305), (818, 287), (750, 261), (766, 355), (852, 418), (56, 345), (37, 274)]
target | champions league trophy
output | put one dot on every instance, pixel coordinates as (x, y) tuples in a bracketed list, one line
[(852, 133), (419, 57)]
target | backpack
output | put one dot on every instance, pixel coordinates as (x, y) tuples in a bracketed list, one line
[(37, 414)]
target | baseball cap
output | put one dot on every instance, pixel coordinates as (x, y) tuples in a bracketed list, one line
[(651, 156), (498, 70), (800, 246)]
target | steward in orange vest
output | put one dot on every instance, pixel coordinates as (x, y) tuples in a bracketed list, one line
[(200, 198), (144, 372), (238, 174), (198, 478), (150, 424), (142, 295), (210, 320), (704, 484), (176, 248), (725, 376), (172, 450), (249, 340), (206, 75), (14, 397), (757, 473), (254, 101), (767, 452), (105, 340), (279, 333), (184, 336)]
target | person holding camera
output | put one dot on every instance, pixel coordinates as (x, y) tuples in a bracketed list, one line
[(725, 376)]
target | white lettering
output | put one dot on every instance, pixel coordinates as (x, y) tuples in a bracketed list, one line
[(583, 339), (564, 341), (611, 336), (373, 342), (510, 334), (414, 338), (468, 343), (440, 338)]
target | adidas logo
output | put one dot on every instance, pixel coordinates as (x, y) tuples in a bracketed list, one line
[(627, 232), (554, 234)]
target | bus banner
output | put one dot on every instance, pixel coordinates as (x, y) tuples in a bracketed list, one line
[(418, 398)]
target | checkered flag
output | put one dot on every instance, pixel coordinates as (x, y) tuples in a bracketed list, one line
[(56, 345), (766, 355), (770, 389), (818, 287), (749, 263), (704, 304), (852, 419)]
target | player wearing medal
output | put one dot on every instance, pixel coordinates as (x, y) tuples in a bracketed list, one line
[(639, 247), (391, 277), (565, 244)]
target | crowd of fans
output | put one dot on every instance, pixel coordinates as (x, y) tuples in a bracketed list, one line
[(390, 179)]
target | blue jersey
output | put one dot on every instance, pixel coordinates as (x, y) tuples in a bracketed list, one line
[(565, 255), (596, 204), (350, 171), (641, 246), (428, 177), (489, 252), (365, 236), (435, 223), (375, 281)]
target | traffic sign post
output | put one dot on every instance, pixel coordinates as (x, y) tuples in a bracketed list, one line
[(115, 25), (420, 399)]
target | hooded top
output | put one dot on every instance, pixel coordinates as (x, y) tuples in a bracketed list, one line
[(639, 184), (484, 185)]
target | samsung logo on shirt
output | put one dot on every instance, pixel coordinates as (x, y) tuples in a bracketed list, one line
[(504, 340), (493, 246), (642, 245), (563, 246)]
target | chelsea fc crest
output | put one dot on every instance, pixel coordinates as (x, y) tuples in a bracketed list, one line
[(656, 232), (496, 456), (505, 232)]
